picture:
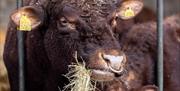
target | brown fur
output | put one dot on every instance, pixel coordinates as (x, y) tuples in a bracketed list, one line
[(171, 53), (145, 15), (139, 44)]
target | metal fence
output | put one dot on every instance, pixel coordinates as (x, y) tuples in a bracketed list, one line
[(21, 54), (160, 4)]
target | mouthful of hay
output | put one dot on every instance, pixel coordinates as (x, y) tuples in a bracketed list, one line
[(79, 78)]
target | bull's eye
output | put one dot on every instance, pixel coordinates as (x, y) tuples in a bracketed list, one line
[(66, 23), (63, 21)]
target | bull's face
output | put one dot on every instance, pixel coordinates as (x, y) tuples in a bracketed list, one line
[(94, 44), (92, 37)]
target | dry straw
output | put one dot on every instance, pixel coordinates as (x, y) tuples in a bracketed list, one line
[(79, 78)]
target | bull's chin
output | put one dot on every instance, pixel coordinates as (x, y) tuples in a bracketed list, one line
[(100, 75)]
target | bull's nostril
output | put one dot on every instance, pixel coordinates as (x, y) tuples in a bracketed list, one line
[(113, 59), (105, 58), (114, 63), (117, 75)]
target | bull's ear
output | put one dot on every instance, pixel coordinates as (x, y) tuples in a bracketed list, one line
[(150, 88), (32, 14), (129, 9)]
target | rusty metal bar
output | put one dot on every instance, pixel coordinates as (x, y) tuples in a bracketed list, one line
[(160, 15), (21, 53)]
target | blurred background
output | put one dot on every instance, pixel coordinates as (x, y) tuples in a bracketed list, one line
[(7, 6)]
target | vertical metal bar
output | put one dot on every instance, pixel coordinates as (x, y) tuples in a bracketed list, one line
[(21, 53), (160, 4)]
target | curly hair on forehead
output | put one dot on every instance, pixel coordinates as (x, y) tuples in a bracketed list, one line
[(90, 10)]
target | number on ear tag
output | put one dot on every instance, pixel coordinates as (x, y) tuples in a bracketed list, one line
[(25, 23), (129, 12)]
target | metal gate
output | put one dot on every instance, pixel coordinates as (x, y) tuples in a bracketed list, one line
[(160, 4), (160, 16), (21, 53)]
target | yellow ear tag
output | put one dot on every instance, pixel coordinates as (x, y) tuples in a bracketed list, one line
[(25, 23), (129, 12)]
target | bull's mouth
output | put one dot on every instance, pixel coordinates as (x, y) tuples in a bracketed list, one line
[(100, 75), (103, 75)]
